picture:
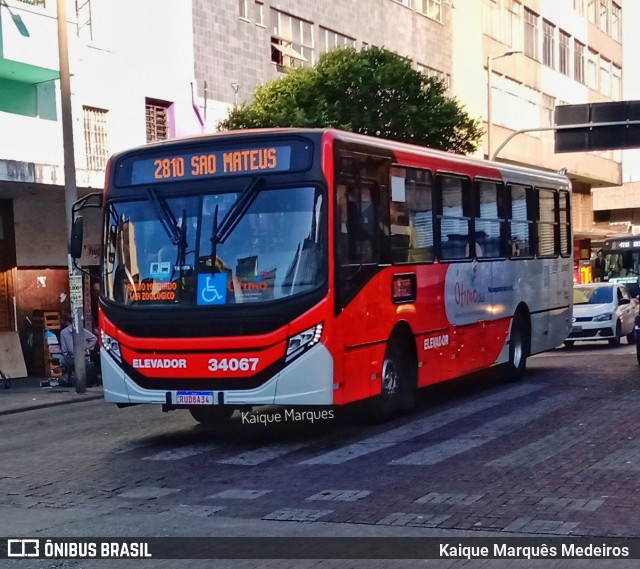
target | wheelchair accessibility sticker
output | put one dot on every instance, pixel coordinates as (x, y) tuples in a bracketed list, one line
[(212, 289)]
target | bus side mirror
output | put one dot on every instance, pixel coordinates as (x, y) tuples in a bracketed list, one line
[(75, 243)]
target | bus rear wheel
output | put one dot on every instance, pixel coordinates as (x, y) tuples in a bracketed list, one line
[(210, 415), (518, 349), (399, 382)]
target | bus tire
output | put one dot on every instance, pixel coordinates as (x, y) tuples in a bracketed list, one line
[(399, 381), (211, 415), (518, 348)]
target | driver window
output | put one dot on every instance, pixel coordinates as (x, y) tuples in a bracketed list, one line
[(357, 220)]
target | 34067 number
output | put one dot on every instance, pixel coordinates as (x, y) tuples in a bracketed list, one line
[(233, 364)]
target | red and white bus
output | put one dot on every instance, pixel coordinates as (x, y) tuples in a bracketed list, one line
[(317, 267)]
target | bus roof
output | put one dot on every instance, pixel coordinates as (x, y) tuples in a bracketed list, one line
[(508, 169)]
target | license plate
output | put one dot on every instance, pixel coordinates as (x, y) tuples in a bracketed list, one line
[(575, 329), (194, 398)]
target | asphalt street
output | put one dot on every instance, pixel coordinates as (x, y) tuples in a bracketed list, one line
[(555, 455)]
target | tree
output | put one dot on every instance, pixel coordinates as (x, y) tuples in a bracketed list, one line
[(373, 91)]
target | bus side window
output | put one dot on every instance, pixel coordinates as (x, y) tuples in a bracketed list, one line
[(455, 239), (520, 222), (411, 216), (488, 223), (547, 223)]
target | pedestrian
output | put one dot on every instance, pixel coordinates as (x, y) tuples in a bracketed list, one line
[(599, 267), (66, 344)]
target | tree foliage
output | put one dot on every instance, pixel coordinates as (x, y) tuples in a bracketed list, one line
[(373, 91)]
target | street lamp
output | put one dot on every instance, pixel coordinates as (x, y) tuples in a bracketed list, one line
[(490, 61)]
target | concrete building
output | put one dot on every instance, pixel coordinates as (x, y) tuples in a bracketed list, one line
[(539, 54), (131, 81), (239, 44), (617, 210)]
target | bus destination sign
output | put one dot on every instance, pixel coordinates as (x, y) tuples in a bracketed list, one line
[(625, 244), (194, 164)]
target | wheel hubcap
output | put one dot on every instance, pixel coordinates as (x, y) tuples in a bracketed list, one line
[(390, 378)]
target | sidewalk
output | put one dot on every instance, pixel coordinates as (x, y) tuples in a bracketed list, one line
[(26, 394)]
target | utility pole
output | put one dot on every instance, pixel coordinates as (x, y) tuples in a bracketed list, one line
[(70, 196)]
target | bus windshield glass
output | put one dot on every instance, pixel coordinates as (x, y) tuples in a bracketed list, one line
[(623, 267), (217, 248)]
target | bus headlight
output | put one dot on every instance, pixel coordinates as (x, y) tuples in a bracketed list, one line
[(111, 345), (303, 341), (602, 317)]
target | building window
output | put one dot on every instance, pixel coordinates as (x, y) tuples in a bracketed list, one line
[(578, 6), (330, 40), (492, 19), (578, 61), (592, 69), (604, 16), (530, 33), (548, 104), (430, 8), (157, 119), (95, 137), (591, 11), (616, 22), (513, 24), (548, 44), (406, 3), (291, 40), (563, 52), (83, 15), (616, 82), (243, 9), (605, 77), (431, 72), (260, 13)]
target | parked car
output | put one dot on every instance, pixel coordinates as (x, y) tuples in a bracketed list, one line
[(603, 311)]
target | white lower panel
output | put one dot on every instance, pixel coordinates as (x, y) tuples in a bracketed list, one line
[(307, 381)]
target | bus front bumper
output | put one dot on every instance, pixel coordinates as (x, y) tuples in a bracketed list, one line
[(306, 381)]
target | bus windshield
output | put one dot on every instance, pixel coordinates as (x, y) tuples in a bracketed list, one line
[(623, 267), (216, 248)]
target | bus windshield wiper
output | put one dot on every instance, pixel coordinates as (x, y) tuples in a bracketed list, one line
[(165, 215), (220, 233)]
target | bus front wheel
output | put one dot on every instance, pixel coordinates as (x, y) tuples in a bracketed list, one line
[(210, 415), (399, 382)]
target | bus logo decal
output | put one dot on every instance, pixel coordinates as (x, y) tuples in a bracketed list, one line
[(212, 289)]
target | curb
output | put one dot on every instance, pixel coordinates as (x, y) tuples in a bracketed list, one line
[(45, 405)]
